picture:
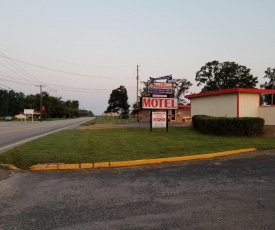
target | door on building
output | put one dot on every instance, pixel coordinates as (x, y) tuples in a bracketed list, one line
[(173, 115)]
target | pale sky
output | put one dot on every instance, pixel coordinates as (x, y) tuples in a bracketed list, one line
[(102, 42)]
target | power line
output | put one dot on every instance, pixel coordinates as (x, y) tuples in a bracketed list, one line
[(5, 86), (61, 71), (14, 72), (70, 87), (56, 85), (29, 54), (20, 69), (16, 82), (65, 88), (137, 83)]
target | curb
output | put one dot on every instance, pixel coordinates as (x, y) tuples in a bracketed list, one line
[(116, 164), (8, 166)]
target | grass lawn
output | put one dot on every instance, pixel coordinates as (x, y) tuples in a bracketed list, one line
[(89, 146), (108, 120)]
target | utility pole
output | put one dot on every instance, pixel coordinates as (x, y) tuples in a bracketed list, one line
[(69, 109), (40, 86), (272, 78), (137, 83)]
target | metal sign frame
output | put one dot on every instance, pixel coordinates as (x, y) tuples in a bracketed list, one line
[(167, 77)]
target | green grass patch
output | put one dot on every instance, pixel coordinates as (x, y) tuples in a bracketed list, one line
[(108, 120), (88, 146)]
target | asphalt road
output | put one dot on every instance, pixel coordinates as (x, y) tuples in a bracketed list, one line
[(236, 192), (15, 133)]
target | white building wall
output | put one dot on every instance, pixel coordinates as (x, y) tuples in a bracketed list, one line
[(248, 105), (224, 105), (268, 114)]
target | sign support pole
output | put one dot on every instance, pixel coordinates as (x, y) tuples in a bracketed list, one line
[(166, 120), (137, 85), (151, 120)]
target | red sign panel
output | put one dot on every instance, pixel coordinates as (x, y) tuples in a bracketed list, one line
[(159, 103)]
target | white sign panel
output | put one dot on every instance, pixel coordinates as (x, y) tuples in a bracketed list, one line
[(28, 111), (159, 95), (159, 103), (159, 119)]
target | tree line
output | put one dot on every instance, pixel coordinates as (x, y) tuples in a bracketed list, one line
[(13, 103)]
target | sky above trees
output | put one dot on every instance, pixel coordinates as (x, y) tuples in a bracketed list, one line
[(85, 49)]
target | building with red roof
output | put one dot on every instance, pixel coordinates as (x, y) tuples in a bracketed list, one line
[(235, 102)]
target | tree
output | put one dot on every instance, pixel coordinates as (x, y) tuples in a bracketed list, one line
[(180, 87), (270, 75), (143, 91), (225, 75), (4, 103), (11, 102), (32, 102), (54, 107), (118, 102), (86, 113)]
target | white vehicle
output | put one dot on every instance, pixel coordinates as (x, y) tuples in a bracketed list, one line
[(8, 118)]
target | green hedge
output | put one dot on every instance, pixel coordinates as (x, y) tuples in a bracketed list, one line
[(224, 126)]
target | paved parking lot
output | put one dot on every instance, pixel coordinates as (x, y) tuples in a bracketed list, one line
[(236, 192)]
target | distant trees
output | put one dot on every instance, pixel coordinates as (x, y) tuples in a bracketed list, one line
[(269, 84), (54, 107), (118, 102), (71, 108), (215, 76), (32, 102), (12, 103)]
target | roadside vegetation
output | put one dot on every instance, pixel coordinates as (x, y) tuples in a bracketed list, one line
[(89, 146), (15, 102)]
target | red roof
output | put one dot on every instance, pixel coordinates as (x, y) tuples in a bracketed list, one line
[(184, 106), (233, 90)]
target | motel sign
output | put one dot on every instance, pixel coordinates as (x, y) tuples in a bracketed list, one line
[(159, 103)]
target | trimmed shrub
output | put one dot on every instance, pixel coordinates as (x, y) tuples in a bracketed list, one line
[(232, 126)]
